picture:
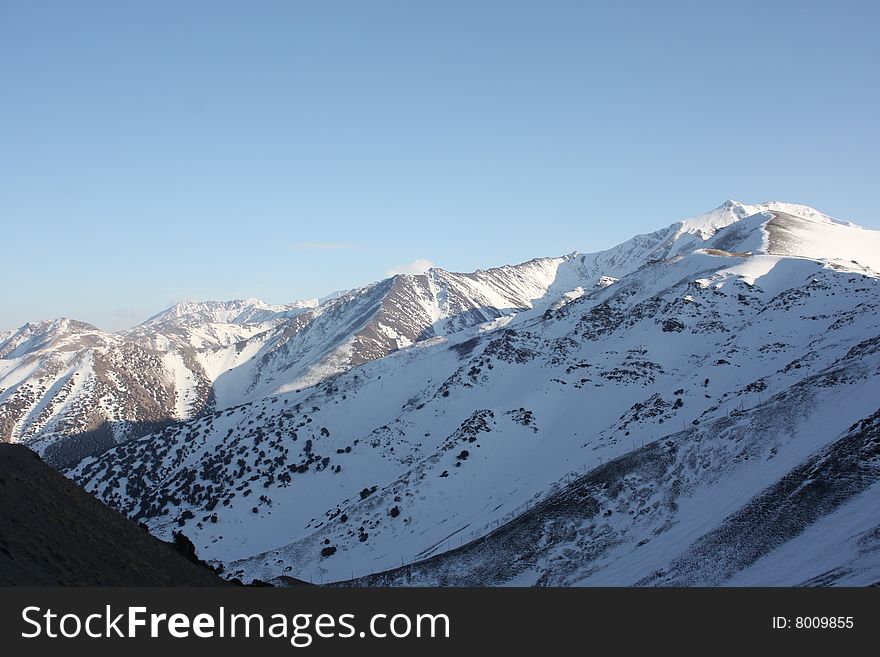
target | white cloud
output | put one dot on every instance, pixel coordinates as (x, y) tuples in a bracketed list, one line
[(417, 266)]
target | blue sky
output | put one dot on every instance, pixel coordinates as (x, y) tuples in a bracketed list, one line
[(156, 151)]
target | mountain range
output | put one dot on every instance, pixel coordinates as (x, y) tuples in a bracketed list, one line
[(696, 406)]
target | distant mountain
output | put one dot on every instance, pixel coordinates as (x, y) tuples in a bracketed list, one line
[(202, 324), (52, 533), (697, 405)]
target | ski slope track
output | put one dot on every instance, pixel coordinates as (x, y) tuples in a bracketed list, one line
[(696, 406)]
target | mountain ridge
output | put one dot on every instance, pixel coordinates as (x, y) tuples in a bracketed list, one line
[(198, 356), (380, 428)]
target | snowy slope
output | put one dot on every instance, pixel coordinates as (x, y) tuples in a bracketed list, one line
[(605, 418)]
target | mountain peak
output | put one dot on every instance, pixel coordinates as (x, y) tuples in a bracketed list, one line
[(58, 324), (35, 336), (707, 224), (237, 311)]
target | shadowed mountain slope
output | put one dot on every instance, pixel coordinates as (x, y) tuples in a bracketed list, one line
[(54, 533)]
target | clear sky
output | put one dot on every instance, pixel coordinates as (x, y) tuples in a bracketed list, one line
[(162, 150)]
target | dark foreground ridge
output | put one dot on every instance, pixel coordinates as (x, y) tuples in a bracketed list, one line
[(54, 533)]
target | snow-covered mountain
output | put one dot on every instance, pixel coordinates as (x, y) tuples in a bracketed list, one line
[(204, 324), (69, 390), (698, 405)]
